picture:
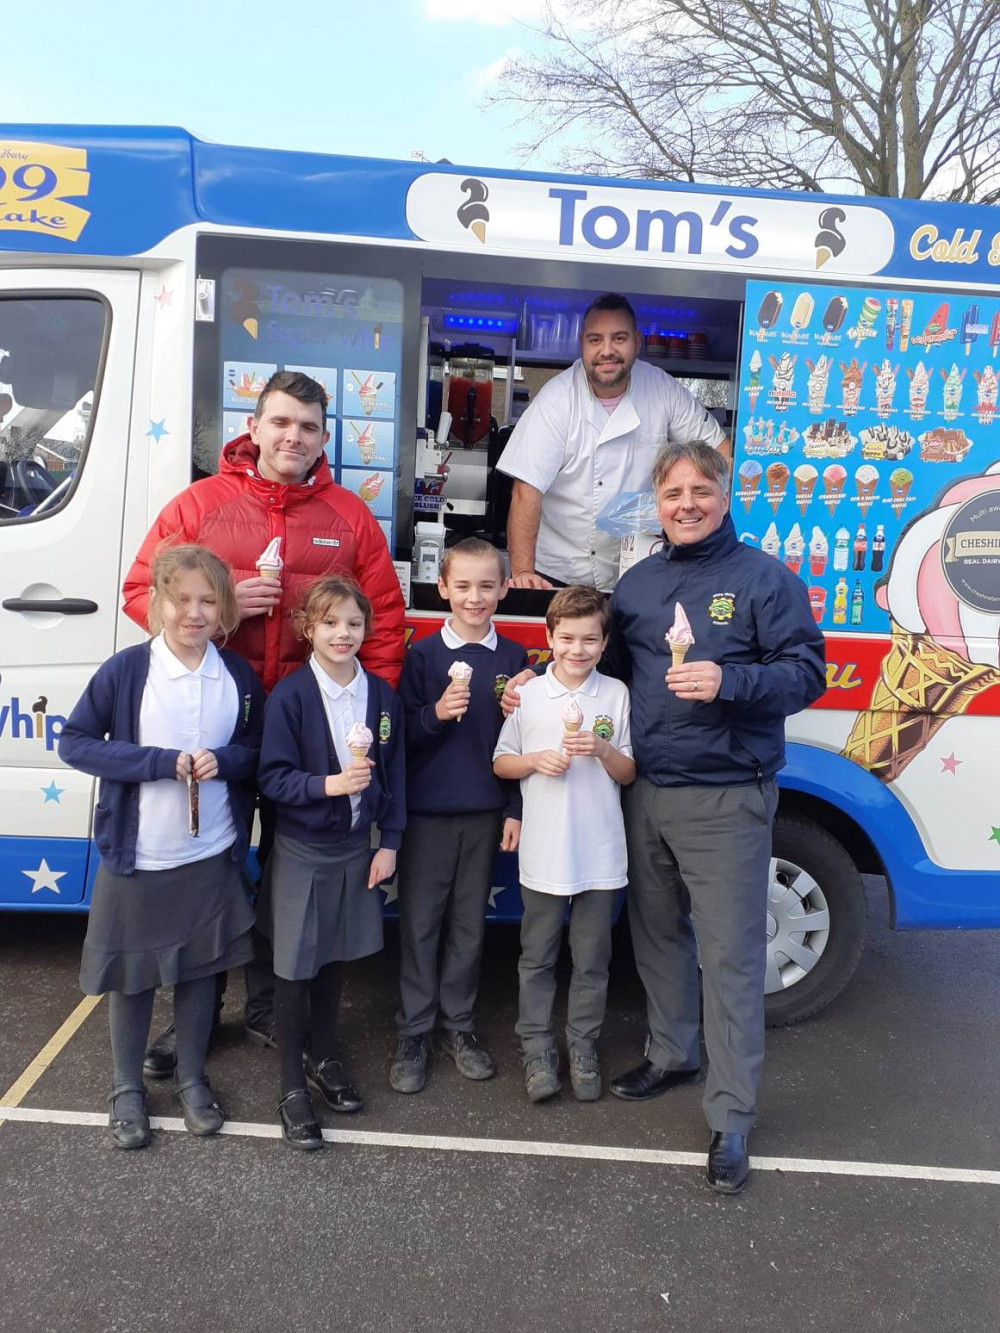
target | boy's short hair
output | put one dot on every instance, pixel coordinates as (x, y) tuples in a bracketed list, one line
[(575, 604), (475, 547)]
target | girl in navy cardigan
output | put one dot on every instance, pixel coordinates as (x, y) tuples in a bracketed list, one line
[(172, 728), (332, 763)]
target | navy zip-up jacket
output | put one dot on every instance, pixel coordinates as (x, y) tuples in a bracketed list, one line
[(751, 616), (297, 755), (449, 765), (101, 737)]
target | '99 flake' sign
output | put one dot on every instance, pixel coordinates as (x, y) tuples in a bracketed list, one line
[(36, 179)]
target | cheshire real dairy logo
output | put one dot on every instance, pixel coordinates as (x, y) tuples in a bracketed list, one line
[(705, 229), (37, 180), (32, 723)]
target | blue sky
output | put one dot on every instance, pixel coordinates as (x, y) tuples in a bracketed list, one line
[(383, 78)]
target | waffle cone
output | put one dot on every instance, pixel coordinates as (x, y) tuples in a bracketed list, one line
[(269, 572), (571, 728), (359, 751), (678, 652), (920, 686)]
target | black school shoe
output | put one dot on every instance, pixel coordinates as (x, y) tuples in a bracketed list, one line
[(299, 1127), (161, 1055), (330, 1081), (134, 1131), (202, 1113)]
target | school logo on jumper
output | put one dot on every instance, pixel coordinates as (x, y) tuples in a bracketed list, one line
[(384, 728), (246, 709), (473, 214), (721, 608), (36, 179), (499, 685), (604, 727)]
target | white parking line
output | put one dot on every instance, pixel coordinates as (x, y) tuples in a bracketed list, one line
[(529, 1148)]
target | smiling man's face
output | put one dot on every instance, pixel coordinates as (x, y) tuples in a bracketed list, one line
[(290, 436), (609, 345), (691, 506)]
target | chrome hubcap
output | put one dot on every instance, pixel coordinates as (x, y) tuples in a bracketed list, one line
[(798, 925)]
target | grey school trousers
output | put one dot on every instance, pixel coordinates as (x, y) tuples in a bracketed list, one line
[(445, 876), (590, 918), (699, 862)]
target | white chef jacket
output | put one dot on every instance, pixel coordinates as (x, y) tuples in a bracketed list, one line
[(580, 458)]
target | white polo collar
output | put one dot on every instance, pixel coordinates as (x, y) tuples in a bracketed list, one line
[(452, 640), (556, 690), (174, 668), (330, 687)]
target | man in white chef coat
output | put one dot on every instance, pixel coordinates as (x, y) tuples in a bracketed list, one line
[(591, 434)]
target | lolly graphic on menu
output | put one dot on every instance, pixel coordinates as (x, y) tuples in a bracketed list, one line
[(679, 636), (365, 440), (850, 385), (802, 312), (783, 380), (753, 388), (936, 330), (370, 487), (804, 477), (986, 405), (750, 474), (952, 391), (770, 310), (900, 481), (866, 479), (970, 328), (830, 240), (834, 477), (777, 479), (835, 314), (885, 386), (995, 333), (795, 545), (819, 375), (865, 327), (919, 385), (770, 543), (891, 318), (367, 392), (906, 320), (819, 550)]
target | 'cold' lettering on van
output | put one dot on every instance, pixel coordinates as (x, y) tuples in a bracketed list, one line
[(26, 725), (606, 227)]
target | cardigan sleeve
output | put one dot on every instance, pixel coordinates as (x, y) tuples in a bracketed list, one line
[(281, 776), (84, 744)]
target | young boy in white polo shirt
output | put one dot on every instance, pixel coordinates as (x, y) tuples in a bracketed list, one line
[(569, 744)]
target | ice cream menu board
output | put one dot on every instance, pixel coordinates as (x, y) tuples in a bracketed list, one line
[(856, 410), (346, 331)]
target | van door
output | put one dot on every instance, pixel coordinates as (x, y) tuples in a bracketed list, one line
[(67, 350)]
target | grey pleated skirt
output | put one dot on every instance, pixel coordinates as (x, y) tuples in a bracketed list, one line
[(317, 906), (158, 927)]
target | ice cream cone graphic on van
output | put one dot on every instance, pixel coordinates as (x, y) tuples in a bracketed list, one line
[(473, 214)]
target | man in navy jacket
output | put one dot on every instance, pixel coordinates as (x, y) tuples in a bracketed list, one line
[(708, 736)]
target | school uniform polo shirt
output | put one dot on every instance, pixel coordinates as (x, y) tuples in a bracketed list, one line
[(188, 711), (572, 831)]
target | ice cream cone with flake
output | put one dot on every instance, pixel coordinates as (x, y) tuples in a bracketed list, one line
[(679, 636), (270, 564)]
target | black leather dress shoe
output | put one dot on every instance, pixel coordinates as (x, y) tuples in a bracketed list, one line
[(202, 1113), (161, 1055), (330, 1081), (298, 1121), (648, 1080), (128, 1131), (728, 1163), (261, 1031)]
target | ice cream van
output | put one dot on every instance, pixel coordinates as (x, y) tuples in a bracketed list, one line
[(150, 283)]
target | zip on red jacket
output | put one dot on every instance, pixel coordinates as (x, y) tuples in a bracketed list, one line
[(325, 529)]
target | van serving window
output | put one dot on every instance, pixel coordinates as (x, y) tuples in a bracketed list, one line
[(50, 357)]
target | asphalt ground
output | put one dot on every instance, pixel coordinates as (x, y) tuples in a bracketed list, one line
[(462, 1218)]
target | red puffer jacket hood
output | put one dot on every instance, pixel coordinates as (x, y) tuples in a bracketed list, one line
[(324, 529)]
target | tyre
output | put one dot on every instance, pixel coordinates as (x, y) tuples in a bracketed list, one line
[(816, 921)]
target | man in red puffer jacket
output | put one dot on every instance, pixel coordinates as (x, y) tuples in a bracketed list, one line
[(275, 482)]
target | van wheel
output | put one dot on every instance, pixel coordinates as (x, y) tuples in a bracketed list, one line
[(816, 921)]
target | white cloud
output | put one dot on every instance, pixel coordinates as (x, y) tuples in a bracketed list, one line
[(480, 81)]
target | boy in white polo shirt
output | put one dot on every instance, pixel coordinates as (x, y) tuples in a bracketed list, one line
[(569, 744)]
